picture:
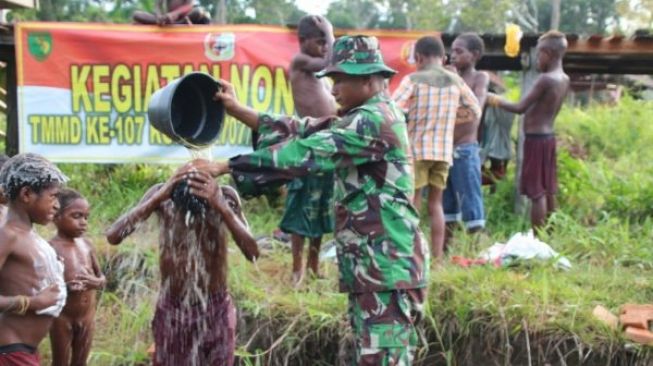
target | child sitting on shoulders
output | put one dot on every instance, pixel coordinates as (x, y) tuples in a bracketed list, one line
[(71, 334)]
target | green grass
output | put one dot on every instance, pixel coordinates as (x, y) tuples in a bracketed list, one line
[(604, 227)]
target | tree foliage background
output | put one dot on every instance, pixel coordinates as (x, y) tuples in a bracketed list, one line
[(484, 16)]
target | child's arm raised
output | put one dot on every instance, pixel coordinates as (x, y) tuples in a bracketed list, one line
[(310, 64), (128, 222), (150, 202), (541, 85), (225, 200)]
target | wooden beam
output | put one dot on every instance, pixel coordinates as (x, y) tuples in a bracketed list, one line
[(18, 4), (11, 141)]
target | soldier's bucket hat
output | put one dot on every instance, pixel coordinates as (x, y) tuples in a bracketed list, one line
[(357, 55)]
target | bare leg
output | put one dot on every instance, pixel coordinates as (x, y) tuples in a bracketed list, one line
[(82, 341), (417, 199), (550, 208), (448, 234), (538, 213), (61, 335), (551, 204), (297, 243), (143, 17), (436, 215), (313, 261)]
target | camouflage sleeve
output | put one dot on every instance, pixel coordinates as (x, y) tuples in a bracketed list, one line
[(276, 129), (352, 140)]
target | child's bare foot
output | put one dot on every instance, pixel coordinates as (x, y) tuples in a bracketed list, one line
[(313, 275), (297, 278), (437, 263)]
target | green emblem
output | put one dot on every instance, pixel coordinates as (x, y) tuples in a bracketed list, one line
[(39, 44)]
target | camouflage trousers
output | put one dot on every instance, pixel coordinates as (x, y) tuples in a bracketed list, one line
[(384, 325)]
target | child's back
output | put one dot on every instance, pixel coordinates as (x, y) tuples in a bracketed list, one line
[(312, 96), (540, 117), (539, 177)]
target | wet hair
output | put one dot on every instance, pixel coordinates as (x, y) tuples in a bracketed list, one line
[(29, 170), (187, 202), (307, 27), (473, 43), (555, 41), (429, 46), (3, 160), (66, 196)]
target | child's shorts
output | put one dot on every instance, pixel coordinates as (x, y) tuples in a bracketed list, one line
[(194, 334), (432, 173), (19, 354), (539, 175), (463, 198), (309, 206)]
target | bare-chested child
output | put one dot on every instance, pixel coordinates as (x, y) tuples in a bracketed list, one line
[(462, 200), (195, 319), (539, 181), (71, 334), (32, 288), (308, 211), (175, 12)]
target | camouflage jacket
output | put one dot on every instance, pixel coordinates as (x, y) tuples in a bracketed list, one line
[(379, 244)]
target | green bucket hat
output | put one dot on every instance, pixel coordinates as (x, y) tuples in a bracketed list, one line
[(357, 55)]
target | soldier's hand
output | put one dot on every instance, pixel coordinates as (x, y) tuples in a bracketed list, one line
[(227, 96), (45, 298), (214, 169)]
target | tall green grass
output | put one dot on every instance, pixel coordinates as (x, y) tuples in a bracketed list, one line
[(603, 226)]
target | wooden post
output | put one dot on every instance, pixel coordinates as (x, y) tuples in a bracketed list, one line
[(220, 15), (529, 74), (555, 14), (11, 141)]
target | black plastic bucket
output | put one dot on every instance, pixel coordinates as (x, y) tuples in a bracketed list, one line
[(185, 111)]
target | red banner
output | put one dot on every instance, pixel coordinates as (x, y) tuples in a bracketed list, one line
[(87, 86)]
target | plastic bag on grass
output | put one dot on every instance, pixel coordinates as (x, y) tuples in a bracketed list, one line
[(523, 247)]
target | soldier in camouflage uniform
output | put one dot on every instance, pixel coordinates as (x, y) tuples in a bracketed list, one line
[(382, 255)]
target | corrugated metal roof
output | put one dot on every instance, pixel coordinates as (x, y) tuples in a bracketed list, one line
[(615, 54)]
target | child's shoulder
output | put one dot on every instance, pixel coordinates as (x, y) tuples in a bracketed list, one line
[(57, 243), (438, 77), (87, 242), (8, 234), (481, 76)]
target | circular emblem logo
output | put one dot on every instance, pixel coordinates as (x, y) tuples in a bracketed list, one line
[(39, 45), (220, 46), (408, 53)]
